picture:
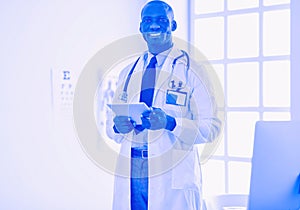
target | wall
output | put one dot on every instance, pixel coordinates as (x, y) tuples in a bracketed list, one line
[(41, 162)]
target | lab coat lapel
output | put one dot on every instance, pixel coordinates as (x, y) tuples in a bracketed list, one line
[(134, 86)]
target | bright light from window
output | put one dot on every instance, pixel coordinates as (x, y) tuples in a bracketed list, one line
[(244, 4), (239, 177), (275, 2), (276, 116), (209, 37), (276, 33), (214, 175), (208, 6), (243, 84), (276, 83), (241, 133), (219, 70), (243, 35)]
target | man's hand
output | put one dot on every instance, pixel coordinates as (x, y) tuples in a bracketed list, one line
[(156, 119), (123, 124)]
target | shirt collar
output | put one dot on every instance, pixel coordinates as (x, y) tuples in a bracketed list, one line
[(161, 57)]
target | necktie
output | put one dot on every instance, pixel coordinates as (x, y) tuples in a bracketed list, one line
[(148, 83)]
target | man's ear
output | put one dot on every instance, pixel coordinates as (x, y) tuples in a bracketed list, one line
[(141, 28), (174, 25)]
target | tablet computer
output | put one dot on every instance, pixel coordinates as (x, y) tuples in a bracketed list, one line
[(133, 110)]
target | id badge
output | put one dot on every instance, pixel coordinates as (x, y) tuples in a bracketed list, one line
[(176, 98)]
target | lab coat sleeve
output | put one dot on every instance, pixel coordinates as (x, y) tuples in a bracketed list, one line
[(203, 124)]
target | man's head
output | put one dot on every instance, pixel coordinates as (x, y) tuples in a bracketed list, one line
[(157, 25)]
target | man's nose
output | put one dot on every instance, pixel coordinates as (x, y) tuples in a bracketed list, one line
[(154, 26)]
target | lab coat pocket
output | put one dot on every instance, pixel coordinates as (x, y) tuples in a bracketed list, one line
[(183, 172)]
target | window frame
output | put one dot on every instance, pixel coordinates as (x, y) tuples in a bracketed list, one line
[(294, 108)]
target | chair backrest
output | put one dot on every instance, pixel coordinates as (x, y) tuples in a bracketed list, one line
[(227, 202)]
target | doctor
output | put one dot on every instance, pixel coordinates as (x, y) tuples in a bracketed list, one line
[(158, 165)]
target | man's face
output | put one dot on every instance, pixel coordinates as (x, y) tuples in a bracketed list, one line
[(157, 25)]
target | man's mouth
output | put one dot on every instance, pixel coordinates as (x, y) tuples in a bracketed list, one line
[(155, 34)]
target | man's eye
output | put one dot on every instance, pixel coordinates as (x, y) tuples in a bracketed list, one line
[(163, 20), (147, 20)]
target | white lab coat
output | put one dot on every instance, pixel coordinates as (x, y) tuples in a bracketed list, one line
[(174, 165)]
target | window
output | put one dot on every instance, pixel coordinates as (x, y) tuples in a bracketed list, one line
[(248, 44)]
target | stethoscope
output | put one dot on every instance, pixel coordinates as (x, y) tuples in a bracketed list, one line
[(171, 82)]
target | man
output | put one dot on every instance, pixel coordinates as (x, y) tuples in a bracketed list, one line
[(164, 167)]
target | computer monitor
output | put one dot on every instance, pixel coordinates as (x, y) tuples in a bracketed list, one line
[(275, 180)]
